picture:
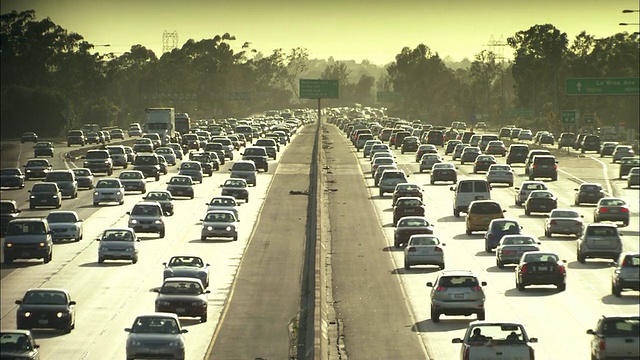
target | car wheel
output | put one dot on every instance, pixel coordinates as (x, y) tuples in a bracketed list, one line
[(110, 172), (68, 329), (95, 203), (381, 193), (161, 234), (441, 266), (134, 260), (615, 290), (158, 177), (203, 318), (122, 202), (500, 264), (144, 190), (432, 182), (407, 266), (562, 287), (481, 315), (8, 260), (456, 212), (527, 212), (48, 258), (520, 286), (58, 206), (626, 223), (581, 258), (191, 196), (203, 238), (469, 232), (32, 207), (435, 316), (547, 233), (125, 166)]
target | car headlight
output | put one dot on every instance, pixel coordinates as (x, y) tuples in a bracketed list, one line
[(26, 314), (162, 303), (176, 343), (55, 196), (61, 314), (28, 170), (133, 221), (32, 197), (209, 228), (118, 193), (159, 222), (133, 342), (41, 244), (229, 228), (8, 245), (198, 303), (96, 193)]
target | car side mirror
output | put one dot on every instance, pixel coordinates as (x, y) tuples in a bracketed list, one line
[(456, 341), (156, 290), (207, 292), (72, 302), (533, 340), (576, 190), (229, 170), (98, 239), (582, 216), (452, 189), (184, 331), (50, 232), (221, 185), (504, 211), (18, 302), (80, 220), (201, 219), (128, 213), (127, 329), (28, 190), (484, 283), (591, 332), (429, 284), (164, 263)]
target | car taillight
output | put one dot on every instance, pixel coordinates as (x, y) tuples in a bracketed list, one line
[(555, 166), (624, 210), (411, 249), (562, 270), (440, 288), (602, 345), (508, 252), (523, 269), (477, 288), (553, 222), (437, 249), (603, 210), (533, 166)]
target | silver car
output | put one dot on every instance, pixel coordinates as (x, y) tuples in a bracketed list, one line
[(622, 151), (633, 178), (423, 249), (147, 217), (366, 151), (511, 248), (219, 223), (563, 221), (156, 335), (626, 274), (108, 190), (65, 225), (526, 188), (457, 292), (192, 169), (168, 153), (599, 241), (428, 160), (224, 203), (118, 244), (500, 174)]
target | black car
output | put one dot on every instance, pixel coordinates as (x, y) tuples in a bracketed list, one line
[(544, 166), (588, 193), (483, 162), (29, 136), (36, 168), (258, 155), (590, 143), (443, 172), (626, 164), (149, 164), (546, 139), (46, 308), (451, 145), (216, 148), (18, 344), (407, 189), (99, 161), (45, 194), (208, 165), (93, 138), (410, 225), (8, 211), (409, 144), (407, 206), (540, 201), (12, 178), (517, 154), (541, 268), (43, 148), (608, 148), (236, 187)]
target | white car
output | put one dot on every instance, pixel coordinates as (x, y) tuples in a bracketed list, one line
[(500, 174), (108, 190), (219, 223), (424, 249), (65, 225)]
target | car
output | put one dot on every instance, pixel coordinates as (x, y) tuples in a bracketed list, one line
[(407, 206), (117, 134), (590, 143), (525, 134), (270, 145), (181, 185), (216, 148), (633, 179), (540, 201), (18, 344), (599, 241), (608, 148), (105, 135), (36, 168), (517, 154), (219, 223), (480, 214), (611, 209), (468, 190), (237, 188), (147, 217), (228, 146), (541, 268), (43, 148), (469, 154), (29, 136), (12, 178), (224, 203), (108, 190), (380, 160), (133, 180), (390, 179), (424, 249), (163, 198), (544, 166), (443, 172), (483, 162), (155, 139), (184, 296), (164, 165), (500, 174), (380, 170), (457, 151), (187, 266), (546, 139), (84, 177), (410, 225), (93, 138), (258, 155), (128, 150), (615, 337), (511, 248), (497, 229), (428, 160), (406, 189), (134, 131), (567, 139), (177, 150), (425, 149), (66, 181), (450, 147), (491, 339), (28, 238), (208, 163), (366, 150), (589, 193), (409, 144), (65, 225), (529, 161), (143, 145), (148, 164), (46, 308), (496, 147), (118, 155), (563, 221), (192, 169), (168, 153), (156, 335), (457, 292), (244, 169), (523, 191), (626, 164), (45, 194), (8, 211), (98, 161), (622, 151), (118, 244), (626, 274)]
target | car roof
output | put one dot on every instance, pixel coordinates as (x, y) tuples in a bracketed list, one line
[(26, 219), (160, 314), (180, 279), (457, 273)]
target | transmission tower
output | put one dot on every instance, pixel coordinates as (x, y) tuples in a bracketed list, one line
[(497, 47), (169, 41)]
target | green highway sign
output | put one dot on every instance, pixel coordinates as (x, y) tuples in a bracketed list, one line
[(589, 119), (603, 86), (388, 96), (318, 89), (522, 113), (568, 117)]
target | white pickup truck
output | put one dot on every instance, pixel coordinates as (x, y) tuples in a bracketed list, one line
[(616, 337), (486, 340)]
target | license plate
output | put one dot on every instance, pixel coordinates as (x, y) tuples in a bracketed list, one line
[(543, 268), (458, 296), (25, 254), (543, 206), (43, 322), (408, 211), (43, 201), (180, 310), (544, 166)]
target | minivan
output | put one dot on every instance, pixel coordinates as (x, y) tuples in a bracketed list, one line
[(544, 166), (532, 153), (467, 191)]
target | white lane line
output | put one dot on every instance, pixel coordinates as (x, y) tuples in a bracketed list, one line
[(607, 181)]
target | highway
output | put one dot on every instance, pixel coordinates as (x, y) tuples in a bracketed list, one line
[(558, 319)]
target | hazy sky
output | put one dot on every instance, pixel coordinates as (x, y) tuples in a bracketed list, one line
[(345, 29)]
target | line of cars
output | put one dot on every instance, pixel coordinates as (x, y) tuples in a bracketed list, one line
[(460, 292), (186, 277)]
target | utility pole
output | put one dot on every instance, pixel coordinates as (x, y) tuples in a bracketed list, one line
[(169, 41)]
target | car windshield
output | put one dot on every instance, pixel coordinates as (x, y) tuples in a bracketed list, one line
[(601, 231), (158, 196), (505, 226), (505, 333), (117, 235), (155, 325), (243, 167), (563, 214), (443, 166), (6, 208), (424, 240), (518, 240), (540, 257), (254, 152), (180, 181), (190, 261), (181, 288), (45, 298), (164, 151), (107, 184), (145, 210), (34, 163), (612, 202), (81, 172), (59, 176), (130, 175), (536, 186), (234, 183), (485, 208), (10, 172), (26, 228), (223, 202), (540, 194), (53, 218), (412, 223), (97, 155), (500, 168), (589, 188), (43, 145), (224, 217), (408, 202), (190, 166), (44, 188)]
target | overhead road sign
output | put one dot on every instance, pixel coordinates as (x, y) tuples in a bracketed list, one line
[(568, 116), (318, 89), (603, 86)]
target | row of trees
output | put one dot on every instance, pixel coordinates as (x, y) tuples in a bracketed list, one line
[(53, 80)]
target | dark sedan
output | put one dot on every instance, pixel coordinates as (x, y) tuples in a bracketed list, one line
[(540, 201), (29, 136), (237, 188), (410, 225), (541, 268), (483, 162), (407, 206), (611, 209), (187, 266), (443, 172), (588, 193), (406, 189), (46, 308), (469, 154), (163, 198), (497, 229), (43, 148), (84, 177), (12, 178), (183, 296)]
